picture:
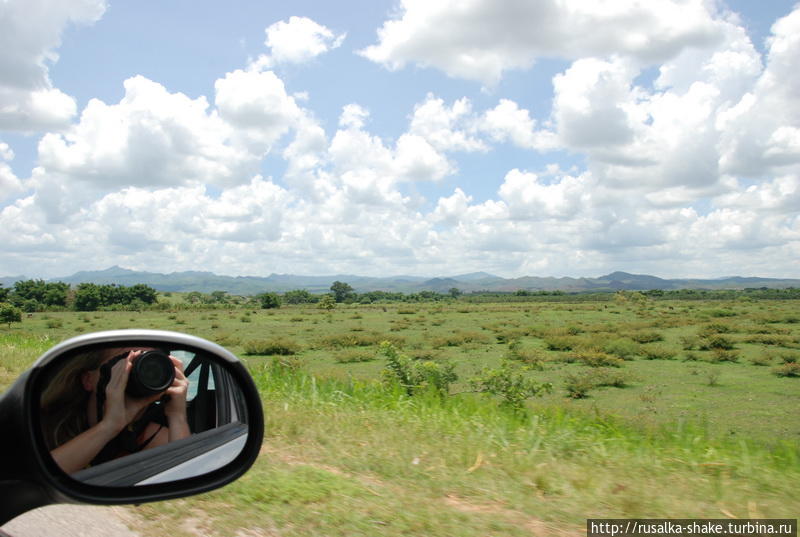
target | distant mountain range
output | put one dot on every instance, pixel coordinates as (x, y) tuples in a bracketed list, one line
[(206, 282)]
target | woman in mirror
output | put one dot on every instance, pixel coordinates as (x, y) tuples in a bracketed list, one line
[(88, 417)]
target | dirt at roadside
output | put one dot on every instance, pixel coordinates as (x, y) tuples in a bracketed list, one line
[(70, 521)]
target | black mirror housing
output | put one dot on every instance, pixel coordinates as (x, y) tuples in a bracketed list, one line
[(30, 477)]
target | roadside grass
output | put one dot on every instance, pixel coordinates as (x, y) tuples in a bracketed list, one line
[(665, 431), (359, 458)]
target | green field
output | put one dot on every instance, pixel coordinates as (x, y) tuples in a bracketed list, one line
[(705, 423)]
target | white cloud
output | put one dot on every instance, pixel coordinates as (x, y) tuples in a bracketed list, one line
[(447, 128), (257, 108), (151, 138), (507, 121), (10, 184), (297, 41), (28, 100), (761, 132), (481, 39)]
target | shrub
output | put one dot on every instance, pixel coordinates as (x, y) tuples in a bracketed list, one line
[(417, 376), (714, 328), (352, 356), (357, 339), (226, 340), (712, 377), (559, 343), (658, 352), (531, 357), (717, 342), (622, 348), (720, 313), (770, 339), (610, 377), (510, 383), (690, 343), (723, 355), (54, 323), (597, 359), (764, 359), (459, 338), (279, 346), (691, 357), (789, 369), (647, 336), (578, 386), (787, 357)]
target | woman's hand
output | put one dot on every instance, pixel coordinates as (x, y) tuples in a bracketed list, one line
[(120, 410), (176, 406)]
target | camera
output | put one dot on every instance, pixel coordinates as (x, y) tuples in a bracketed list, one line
[(152, 373)]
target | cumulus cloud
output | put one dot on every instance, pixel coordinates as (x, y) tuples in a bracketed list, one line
[(150, 138), (480, 40), (28, 100), (678, 145), (297, 40), (761, 132), (452, 128), (9, 182)]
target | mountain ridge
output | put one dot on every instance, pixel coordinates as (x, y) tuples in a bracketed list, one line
[(207, 282)]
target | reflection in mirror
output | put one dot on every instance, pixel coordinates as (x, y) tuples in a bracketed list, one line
[(136, 415)]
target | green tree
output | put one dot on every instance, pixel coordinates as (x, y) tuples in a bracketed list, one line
[(269, 300), (455, 292), (87, 297), (10, 314), (144, 293), (4, 293), (342, 291), (298, 296)]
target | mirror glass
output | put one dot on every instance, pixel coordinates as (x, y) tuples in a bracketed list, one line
[(123, 415)]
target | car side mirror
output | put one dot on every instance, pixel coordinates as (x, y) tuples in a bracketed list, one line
[(126, 416)]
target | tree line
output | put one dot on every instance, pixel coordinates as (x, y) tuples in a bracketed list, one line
[(39, 295)]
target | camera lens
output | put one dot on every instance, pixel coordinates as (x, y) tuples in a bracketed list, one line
[(152, 373)]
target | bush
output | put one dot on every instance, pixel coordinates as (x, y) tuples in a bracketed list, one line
[(770, 339), (714, 328), (357, 339), (610, 377), (531, 357), (622, 348), (647, 337), (417, 376), (723, 355), (690, 343), (764, 359), (597, 359), (658, 352), (716, 342), (790, 369), (559, 343), (578, 386), (787, 357), (459, 338), (353, 356), (264, 347), (510, 383)]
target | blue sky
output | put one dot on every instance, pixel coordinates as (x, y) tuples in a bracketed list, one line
[(406, 137)]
